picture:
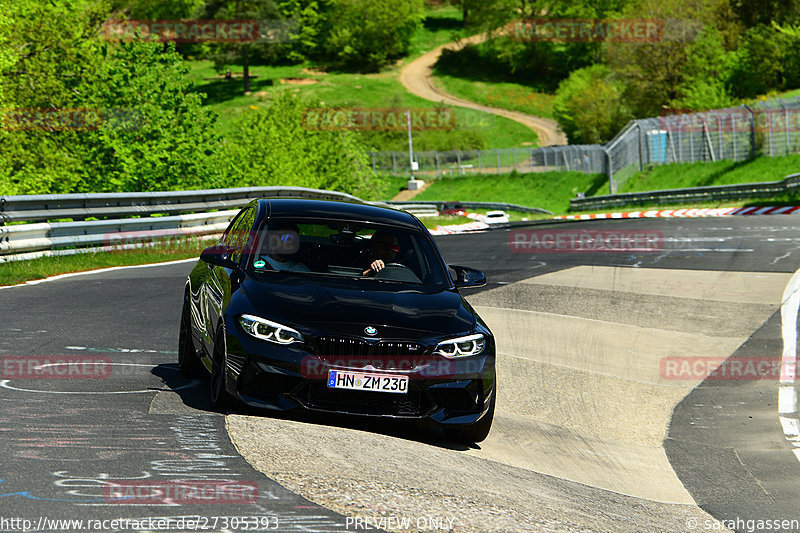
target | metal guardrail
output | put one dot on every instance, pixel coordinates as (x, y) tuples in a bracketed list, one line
[(32, 226), (37, 208), (677, 196), (37, 239)]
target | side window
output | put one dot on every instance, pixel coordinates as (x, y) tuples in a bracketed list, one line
[(240, 232)]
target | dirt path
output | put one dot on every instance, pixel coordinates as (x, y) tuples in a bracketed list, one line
[(416, 77)]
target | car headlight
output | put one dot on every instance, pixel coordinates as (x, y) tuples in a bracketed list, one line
[(267, 330), (462, 346)]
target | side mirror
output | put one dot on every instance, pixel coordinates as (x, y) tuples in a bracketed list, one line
[(468, 277), (220, 256)]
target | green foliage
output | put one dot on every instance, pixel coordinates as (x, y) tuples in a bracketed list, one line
[(160, 136), (272, 147), (157, 9), (707, 73), (308, 20), (589, 106), (767, 59), (365, 35)]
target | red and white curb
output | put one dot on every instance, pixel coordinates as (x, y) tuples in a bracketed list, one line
[(478, 225), (683, 213), (459, 228)]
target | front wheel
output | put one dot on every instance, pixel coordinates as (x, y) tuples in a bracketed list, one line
[(188, 363), (477, 432), (220, 397)]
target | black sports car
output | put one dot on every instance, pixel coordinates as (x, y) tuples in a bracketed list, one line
[(339, 307)]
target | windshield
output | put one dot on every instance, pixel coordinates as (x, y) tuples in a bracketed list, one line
[(346, 249)]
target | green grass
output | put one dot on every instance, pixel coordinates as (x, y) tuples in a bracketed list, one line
[(346, 90), (16, 272), (442, 25), (547, 190), (505, 95), (682, 175)]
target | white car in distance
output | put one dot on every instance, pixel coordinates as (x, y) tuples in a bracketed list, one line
[(496, 217)]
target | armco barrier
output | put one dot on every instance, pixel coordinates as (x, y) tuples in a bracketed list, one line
[(678, 196), (37, 208), (187, 214)]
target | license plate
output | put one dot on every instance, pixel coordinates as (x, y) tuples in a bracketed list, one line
[(338, 379)]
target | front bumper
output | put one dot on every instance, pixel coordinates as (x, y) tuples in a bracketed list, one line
[(441, 391)]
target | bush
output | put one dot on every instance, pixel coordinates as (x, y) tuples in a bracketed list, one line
[(364, 35), (589, 106), (270, 146)]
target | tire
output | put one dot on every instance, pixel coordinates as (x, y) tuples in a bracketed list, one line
[(188, 362), (477, 432), (220, 397)]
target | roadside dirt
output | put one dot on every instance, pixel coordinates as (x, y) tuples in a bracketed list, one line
[(416, 77)]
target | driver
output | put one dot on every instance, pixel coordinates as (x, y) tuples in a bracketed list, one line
[(283, 242), (383, 248)]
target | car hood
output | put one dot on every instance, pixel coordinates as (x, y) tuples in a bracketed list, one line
[(346, 310)]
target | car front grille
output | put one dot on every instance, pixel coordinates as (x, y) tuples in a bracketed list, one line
[(338, 346), (412, 404)]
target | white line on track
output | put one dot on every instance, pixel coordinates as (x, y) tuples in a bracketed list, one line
[(97, 271), (787, 395)]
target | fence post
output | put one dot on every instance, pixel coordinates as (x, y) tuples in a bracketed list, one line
[(786, 123), (708, 140), (531, 157), (671, 139), (438, 166), (611, 185), (732, 118), (641, 141), (496, 151), (752, 130), (394, 164), (516, 167), (564, 155), (480, 169), (458, 158), (373, 163), (769, 114)]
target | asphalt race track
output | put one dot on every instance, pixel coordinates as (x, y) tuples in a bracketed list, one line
[(627, 402)]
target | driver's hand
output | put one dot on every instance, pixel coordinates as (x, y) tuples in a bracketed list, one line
[(375, 267)]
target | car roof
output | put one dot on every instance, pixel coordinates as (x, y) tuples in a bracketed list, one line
[(340, 210)]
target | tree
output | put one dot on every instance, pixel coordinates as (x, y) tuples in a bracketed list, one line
[(263, 11), (273, 146), (365, 35), (707, 74), (589, 106)]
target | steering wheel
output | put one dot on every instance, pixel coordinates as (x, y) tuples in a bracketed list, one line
[(397, 272)]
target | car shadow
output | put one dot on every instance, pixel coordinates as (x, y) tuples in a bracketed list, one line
[(194, 393)]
